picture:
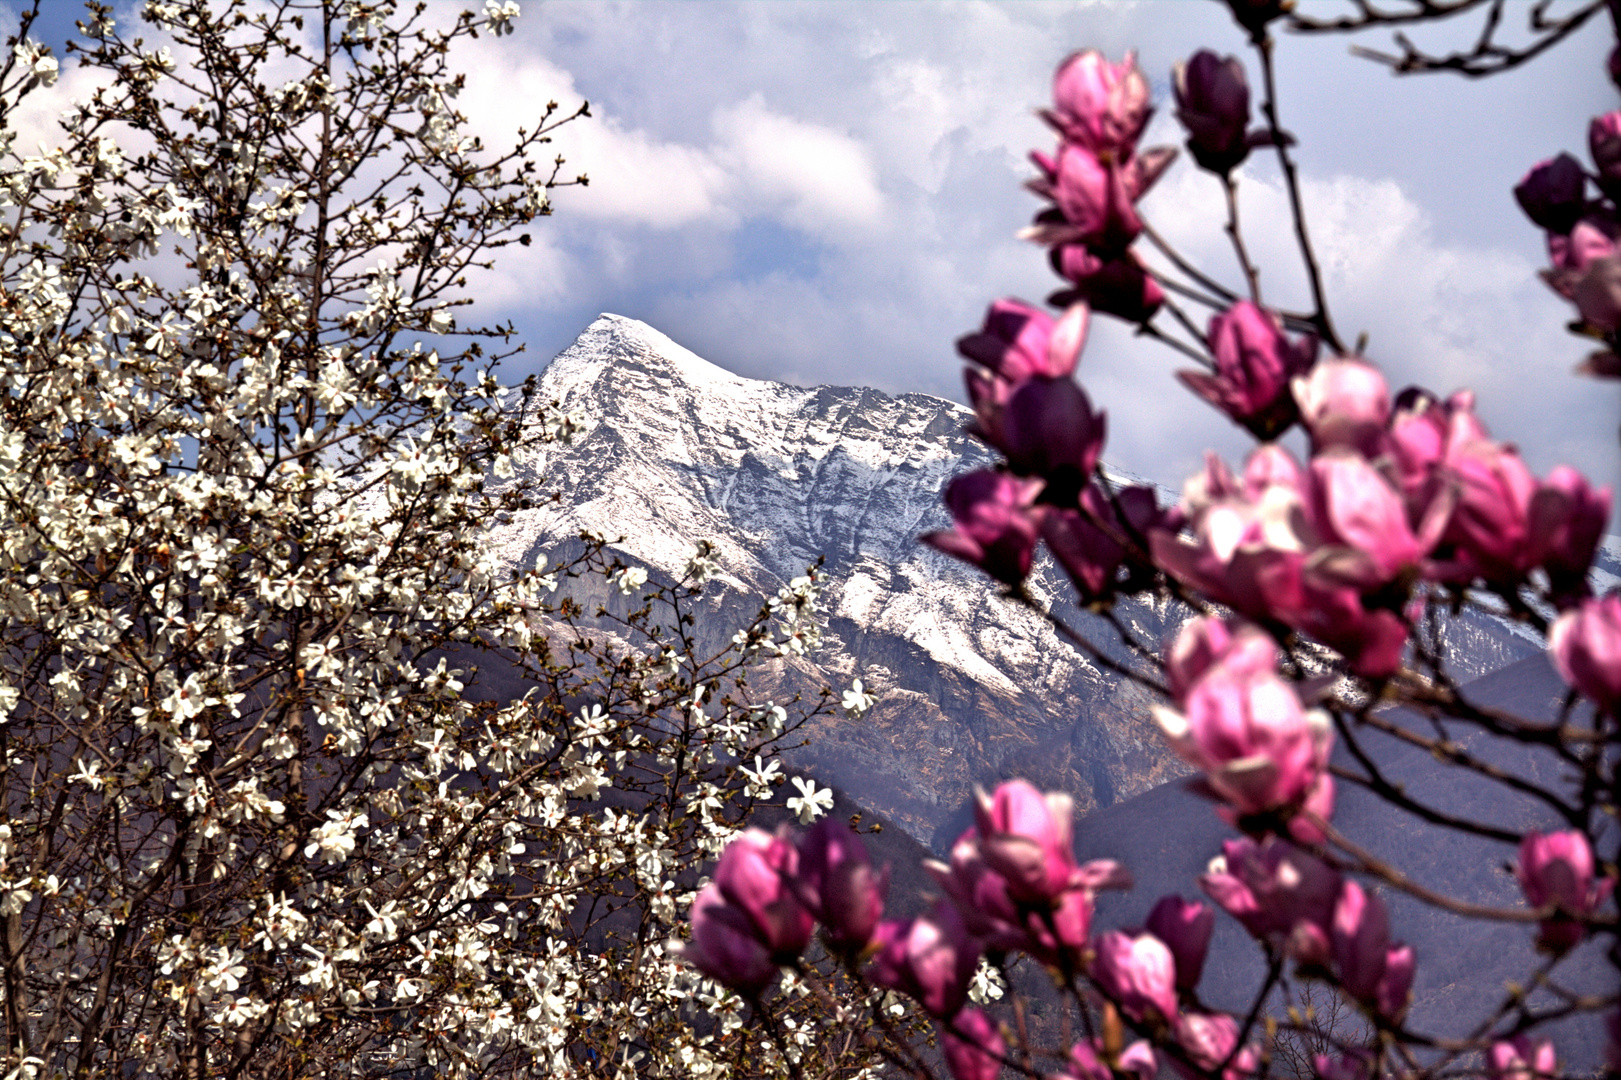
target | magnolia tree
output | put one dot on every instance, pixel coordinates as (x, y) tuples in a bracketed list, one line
[(1314, 588), (256, 818)]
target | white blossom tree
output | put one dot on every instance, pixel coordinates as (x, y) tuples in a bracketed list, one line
[(251, 821)]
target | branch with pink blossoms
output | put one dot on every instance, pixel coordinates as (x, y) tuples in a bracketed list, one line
[(1313, 592)]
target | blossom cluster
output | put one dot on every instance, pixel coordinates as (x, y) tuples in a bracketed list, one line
[(261, 815)]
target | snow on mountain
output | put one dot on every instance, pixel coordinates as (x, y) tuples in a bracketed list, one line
[(970, 687)]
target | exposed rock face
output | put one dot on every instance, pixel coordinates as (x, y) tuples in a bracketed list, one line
[(970, 687)]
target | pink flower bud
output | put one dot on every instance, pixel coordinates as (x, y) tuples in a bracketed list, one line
[(1491, 522), (980, 895), (725, 945), (1019, 341), (1049, 427), (1253, 15), (1344, 402), (1597, 294), (1259, 749), (1359, 938), (1096, 199), (1570, 255), (838, 885), (1276, 891), (1255, 362), (1394, 991), (974, 1048), (997, 523), (752, 876), (1520, 1058), (931, 959), (1585, 645), (1138, 973), (1567, 520), (1185, 926), (1604, 144), (1116, 285), (1557, 870), (1208, 641), (1101, 106), (1553, 193), (1213, 103)]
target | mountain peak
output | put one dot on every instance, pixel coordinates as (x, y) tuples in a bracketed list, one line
[(616, 341)]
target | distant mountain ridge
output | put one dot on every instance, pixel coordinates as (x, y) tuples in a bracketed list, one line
[(971, 688)]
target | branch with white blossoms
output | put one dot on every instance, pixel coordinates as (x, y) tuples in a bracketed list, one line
[(256, 643)]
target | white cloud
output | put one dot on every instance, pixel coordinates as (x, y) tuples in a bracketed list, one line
[(817, 179)]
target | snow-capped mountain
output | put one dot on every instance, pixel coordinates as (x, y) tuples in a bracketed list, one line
[(970, 687)]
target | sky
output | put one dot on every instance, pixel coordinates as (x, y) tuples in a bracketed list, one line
[(829, 193)]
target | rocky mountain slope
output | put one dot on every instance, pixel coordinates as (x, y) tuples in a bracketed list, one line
[(970, 687)]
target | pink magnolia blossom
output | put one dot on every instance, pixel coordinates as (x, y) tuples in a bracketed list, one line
[(997, 523), (1594, 237), (1255, 549), (753, 875), (1278, 892), (725, 945), (1363, 536), (981, 896), (1604, 145), (1208, 640), (1491, 522), (1597, 294), (931, 959), (1394, 992), (1260, 750), (1585, 645), (1117, 284), (1420, 431), (1095, 198), (1209, 1039), (1344, 401), (1359, 939), (1089, 1060), (1557, 869), (836, 882), (1581, 262), (1025, 837), (1567, 519), (1101, 106), (1050, 430), (1521, 1058), (1090, 542), (1213, 104), (973, 1046), (1053, 931), (1553, 193), (1019, 341), (1185, 926), (1255, 363), (1138, 972)]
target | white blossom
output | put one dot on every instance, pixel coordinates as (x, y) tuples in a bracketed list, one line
[(810, 803)]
